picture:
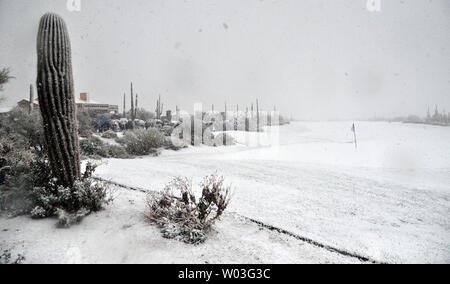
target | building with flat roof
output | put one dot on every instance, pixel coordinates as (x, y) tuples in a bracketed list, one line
[(83, 103)]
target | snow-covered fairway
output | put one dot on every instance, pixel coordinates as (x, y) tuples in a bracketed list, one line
[(388, 200)]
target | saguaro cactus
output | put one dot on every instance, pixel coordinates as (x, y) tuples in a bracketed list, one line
[(132, 107), (236, 119), (257, 115), (136, 106), (225, 125), (56, 99), (124, 106), (31, 107), (159, 108)]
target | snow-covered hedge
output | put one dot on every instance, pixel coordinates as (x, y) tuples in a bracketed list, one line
[(178, 213)]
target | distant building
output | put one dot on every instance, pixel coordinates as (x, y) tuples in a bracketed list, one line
[(83, 103), (25, 105)]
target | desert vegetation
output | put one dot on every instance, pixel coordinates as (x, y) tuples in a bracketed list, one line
[(40, 168), (142, 141), (181, 215)]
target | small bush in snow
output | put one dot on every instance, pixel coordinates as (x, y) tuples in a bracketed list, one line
[(109, 134), (118, 152), (70, 205), (93, 147), (142, 142), (6, 258), (180, 215)]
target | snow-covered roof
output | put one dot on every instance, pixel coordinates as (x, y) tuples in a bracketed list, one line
[(78, 101)]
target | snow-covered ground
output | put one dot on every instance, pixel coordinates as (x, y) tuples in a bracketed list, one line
[(389, 199), (120, 234)]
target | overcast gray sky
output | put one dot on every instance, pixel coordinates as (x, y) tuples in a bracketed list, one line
[(312, 58)]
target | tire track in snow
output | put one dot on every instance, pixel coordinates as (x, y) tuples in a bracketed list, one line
[(267, 226)]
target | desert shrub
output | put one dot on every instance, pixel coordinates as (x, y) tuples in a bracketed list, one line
[(94, 148), (70, 205), (167, 130), (21, 157), (117, 152), (26, 183), (180, 216), (6, 258), (109, 134), (26, 129), (84, 124), (29, 188), (142, 142), (17, 173)]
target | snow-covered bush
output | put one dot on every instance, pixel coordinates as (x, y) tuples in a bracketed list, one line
[(6, 258), (27, 186), (109, 134), (178, 213), (85, 128), (167, 130), (117, 152), (70, 205), (142, 142), (94, 148), (16, 179), (20, 150), (22, 128)]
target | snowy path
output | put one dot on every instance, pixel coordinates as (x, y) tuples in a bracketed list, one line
[(384, 202)]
